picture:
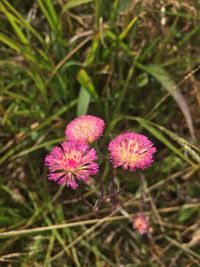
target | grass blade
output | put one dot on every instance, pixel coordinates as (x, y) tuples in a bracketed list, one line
[(9, 42), (86, 82), (128, 28), (14, 25), (163, 77), (83, 102), (75, 3)]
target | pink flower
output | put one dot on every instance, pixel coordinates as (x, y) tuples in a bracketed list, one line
[(72, 162), (85, 128), (131, 151), (141, 224)]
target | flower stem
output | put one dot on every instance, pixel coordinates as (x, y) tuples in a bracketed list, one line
[(101, 187), (142, 203), (84, 199)]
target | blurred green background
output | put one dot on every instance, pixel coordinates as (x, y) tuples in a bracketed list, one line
[(135, 64)]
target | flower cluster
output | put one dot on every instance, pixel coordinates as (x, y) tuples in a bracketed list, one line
[(75, 161)]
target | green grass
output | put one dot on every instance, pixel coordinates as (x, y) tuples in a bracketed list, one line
[(136, 66)]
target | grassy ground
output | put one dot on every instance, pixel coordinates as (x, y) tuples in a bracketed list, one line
[(136, 65)]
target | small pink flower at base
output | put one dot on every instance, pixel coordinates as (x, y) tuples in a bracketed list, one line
[(141, 224), (72, 162), (85, 128), (131, 151)]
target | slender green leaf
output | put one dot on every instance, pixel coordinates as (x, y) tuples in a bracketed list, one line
[(164, 78), (128, 28), (23, 21), (9, 42), (75, 3), (86, 82), (83, 102), (47, 15), (163, 139), (15, 26), (52, 13)]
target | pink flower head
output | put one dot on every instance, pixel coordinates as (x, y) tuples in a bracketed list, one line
[(131, 151), (72, 162), (141, 224), (85, 128)]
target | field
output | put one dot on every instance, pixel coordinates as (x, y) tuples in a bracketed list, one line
[(136, 65)]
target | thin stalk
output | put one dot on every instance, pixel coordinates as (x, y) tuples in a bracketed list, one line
[(142, 203), (101, 187), (123, 92), (84, 199)]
